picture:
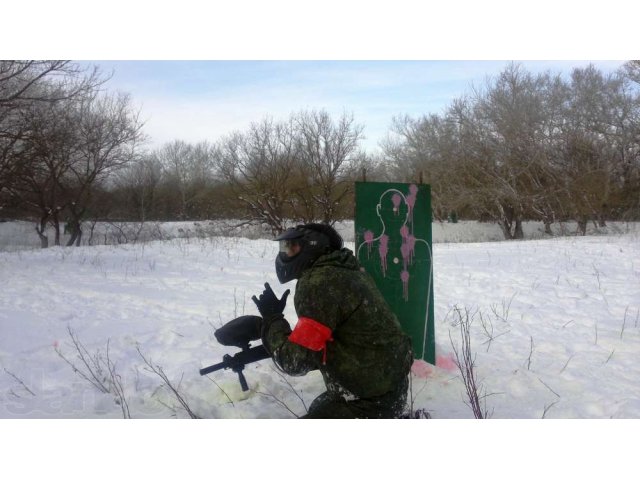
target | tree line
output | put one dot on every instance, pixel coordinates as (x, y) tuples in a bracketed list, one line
[(61, 138), (520, 147), (299, 169), (530, 147)]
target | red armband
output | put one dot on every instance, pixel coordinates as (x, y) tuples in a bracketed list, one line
[(312, 335)]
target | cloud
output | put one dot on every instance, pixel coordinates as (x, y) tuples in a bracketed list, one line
[(196, 101)]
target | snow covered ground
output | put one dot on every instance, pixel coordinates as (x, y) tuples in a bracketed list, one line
[(555, 331)]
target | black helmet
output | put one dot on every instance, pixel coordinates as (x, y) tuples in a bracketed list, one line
[(315, 239)]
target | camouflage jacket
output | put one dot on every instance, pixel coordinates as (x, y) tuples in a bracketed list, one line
[(367, 353)]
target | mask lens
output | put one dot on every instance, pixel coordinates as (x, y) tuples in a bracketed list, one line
[(287, 246)]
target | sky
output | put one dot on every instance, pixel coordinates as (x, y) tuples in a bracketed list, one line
[(205, 100)]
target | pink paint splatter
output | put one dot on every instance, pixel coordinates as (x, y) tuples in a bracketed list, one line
[(368, 238), (446, 362), (406, 253), (411, 243), (396, 199), (404, 276), (383, 250), (408, 246), (421, 369), (411, 200)]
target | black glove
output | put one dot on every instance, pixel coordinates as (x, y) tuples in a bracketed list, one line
[(268, 304)]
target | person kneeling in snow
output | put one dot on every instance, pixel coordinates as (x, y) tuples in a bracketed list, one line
[(345, 328)]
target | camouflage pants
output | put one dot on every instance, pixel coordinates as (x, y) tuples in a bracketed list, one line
[(389, 405)]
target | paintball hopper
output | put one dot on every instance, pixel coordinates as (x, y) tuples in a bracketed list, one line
[(239, 331)]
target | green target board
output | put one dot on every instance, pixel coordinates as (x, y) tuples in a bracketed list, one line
[(393, 244)]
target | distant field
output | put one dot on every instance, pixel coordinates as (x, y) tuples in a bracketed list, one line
[(21, 235)]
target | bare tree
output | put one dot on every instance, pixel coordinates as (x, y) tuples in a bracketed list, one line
[(109, 132), (600, 146), (20, 81), (524, 146), (44, 156), (24, 83), (186, 168), (512, 117), (326, 154), (137, 186), (425, 148), (632, 70), (69, 147), (258, 166)]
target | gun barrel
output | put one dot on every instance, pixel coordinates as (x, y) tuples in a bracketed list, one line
[(239, 360), (212, 368)]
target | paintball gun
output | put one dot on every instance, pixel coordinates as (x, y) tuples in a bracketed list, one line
[(238, 333)]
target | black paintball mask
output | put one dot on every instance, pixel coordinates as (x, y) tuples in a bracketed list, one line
[(301, 246)]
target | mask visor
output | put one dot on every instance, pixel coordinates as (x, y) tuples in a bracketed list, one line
[(289, 247)]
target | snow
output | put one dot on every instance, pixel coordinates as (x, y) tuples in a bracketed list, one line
[(555, 330)]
